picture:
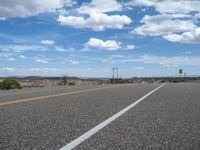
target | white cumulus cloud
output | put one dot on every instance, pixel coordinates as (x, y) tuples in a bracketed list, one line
[(110, 45), (22, 57), (74, 62), (176, 21), (25, 8), (162, 25), (100, 6), (130, 47), (47, 42), (169, 6), (191, 37), (96, 21), (94, 15), (43, 61)]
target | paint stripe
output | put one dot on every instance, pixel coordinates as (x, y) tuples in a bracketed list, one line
[(94, 130), (9, 102)]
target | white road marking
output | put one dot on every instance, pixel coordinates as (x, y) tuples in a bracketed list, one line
[(94, 130)]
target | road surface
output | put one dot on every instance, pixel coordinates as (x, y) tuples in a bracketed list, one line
[(130, 116)]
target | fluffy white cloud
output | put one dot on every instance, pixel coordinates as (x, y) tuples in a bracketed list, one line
[(186, 37), (110, 45), (100, 6), (178, 6), (74, 62), (25, 8), (47, 42), (94, 15), (96, 21), (43, 61), (162, 25), (22, 57), (60, 49), (130, 47), (176, 22), (141, 2), (170, 6)]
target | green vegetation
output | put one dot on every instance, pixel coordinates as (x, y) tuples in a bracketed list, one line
[(65, 80), (180, 72), (118, 81), (71, 83), (9, 83), (174, 80)]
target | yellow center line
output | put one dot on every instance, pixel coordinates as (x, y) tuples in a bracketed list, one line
[(51, 96)]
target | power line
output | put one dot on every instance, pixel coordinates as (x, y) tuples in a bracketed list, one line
[(115, 71)]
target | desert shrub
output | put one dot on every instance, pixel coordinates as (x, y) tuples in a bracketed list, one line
[(174, 80), (71, 83), (118, 81), (9, 83)]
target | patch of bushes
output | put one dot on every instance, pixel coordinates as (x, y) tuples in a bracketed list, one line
[(174, 80), (9, 83), (71, 83), (118, 81)]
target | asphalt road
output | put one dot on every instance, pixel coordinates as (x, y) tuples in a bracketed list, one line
[(43, 91), (169, 118)]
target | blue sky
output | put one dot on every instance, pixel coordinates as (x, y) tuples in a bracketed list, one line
[(87, 38)]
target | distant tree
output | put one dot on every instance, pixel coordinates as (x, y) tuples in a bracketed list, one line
[(65, 77), (180, 72), (9, 83)]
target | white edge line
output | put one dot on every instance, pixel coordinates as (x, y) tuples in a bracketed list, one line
[(94, 130)]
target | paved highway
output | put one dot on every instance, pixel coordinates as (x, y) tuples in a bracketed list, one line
[(131, 116)]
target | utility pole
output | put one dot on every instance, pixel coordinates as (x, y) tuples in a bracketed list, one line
[(185, 74), (117, 73), (113, 73)]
